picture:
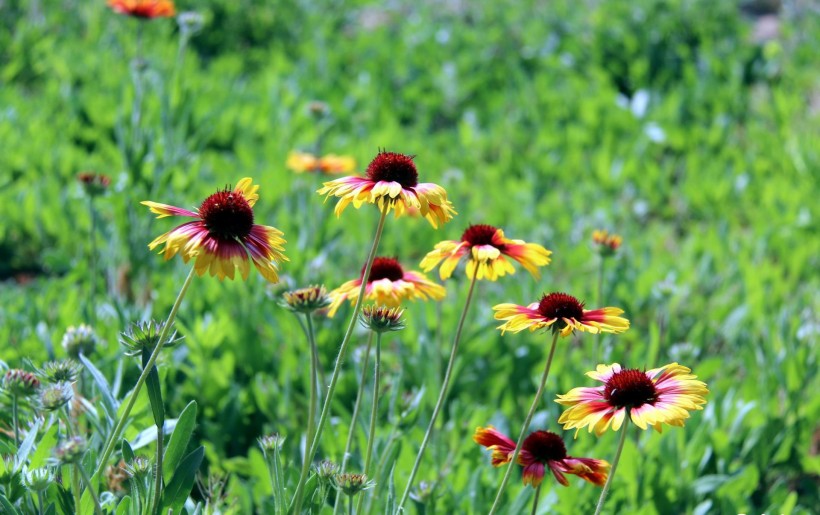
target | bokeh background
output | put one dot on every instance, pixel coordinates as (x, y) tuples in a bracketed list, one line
[(690, 127)]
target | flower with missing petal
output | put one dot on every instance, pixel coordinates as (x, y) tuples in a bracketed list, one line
[(541, 450), (562, 313), (223, 236), (486, 248), (388, 284), (143, 9), (301, 162), (654, 397), (392, 182)]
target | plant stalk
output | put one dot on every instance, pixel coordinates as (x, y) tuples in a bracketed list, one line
[(371, 436), (604, 492)]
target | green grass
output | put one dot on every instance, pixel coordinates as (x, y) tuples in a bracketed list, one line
[(518, 110)]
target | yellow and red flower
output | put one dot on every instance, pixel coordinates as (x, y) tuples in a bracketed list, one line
[(144, 8), (301, 162), (223, 235), (391, 182), (388, 284), (607, 243), (562, 313), (486, 246), (541, 450), (659, 396)]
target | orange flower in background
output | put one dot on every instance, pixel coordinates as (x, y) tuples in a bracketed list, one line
[(659, 396), (541, 450), (486, 247), (607, 243), (391, 182), (560, 312), (223, 235), (144, 9), (388, 284), (301, 162)]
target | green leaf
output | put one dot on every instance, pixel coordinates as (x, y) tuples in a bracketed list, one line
[(124, 507), (178, 442), (108, 398), (177, 490), (154, 389), (44, 448), (7, 506), (127, 452), (26, 446)]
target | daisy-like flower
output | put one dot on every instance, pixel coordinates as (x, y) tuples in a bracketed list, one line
[(562, 313), (223, 235), (392, 182), (486, 246), (541, 449), (607, 243), (144, 9), (301, 162), (388, 284), (659, 396)]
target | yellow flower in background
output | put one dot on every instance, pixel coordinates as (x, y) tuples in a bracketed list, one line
[(655, 397), (223, 236), (391, 182), (560, 312), (301, 162), (486, 248)]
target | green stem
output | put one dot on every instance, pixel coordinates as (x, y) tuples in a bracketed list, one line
[(92, 236), (311, 422), (535, 499), (601, 499), (163, 335), (514, 460), (354, 417), (158, 479), (441, 396), (15, 421), (280, 481), (297, 504), (371, 435), (349, 505), (90, 487), (40, 502), (75, 485)]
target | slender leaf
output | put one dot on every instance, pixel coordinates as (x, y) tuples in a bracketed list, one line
[(26, 446), (44, 448), (154, 389), (108, 398), (7, 506), (127, 452), (178, 489), (124, 508), (178, 443)]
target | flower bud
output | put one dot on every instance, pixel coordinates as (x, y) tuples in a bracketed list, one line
[(56, 396), (351, 484), (64, 371), (20, 383), (607, 243), (94, 184), (139, 468), (270, 443), (305, 300), (79, 340), (71, 450), (144, 336), (326, 470), (382, 319), (38, 479)]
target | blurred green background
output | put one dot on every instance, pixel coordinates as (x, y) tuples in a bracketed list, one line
[(690, 127)]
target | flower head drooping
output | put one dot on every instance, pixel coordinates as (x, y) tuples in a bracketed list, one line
[(144, 336), (306, 300), (56, 396), (20, 383), (71, 450), (94, 184), (388, 284), (63, 371), (655, 397), (562, 313), (486, 247), (80, 340), (391, 182), (382, 319), (143, 9), (301, 162), (606, 243), (541, 450), (223, 235), (351, 484)]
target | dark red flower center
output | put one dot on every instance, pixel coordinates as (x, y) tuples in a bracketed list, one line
[(545, 446), (384, 268), (560, 306), (227, 215), (480, 234), (395, 167), (629, 389)]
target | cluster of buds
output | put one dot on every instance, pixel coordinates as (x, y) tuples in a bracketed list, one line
[(144, 337), (80, 340), (607, 243), (20, 383), (351, 484), (94, 184), (64, 371), (381, 319), (306, 300)]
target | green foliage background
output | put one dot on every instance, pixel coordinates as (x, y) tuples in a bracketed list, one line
[(663, 121)]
